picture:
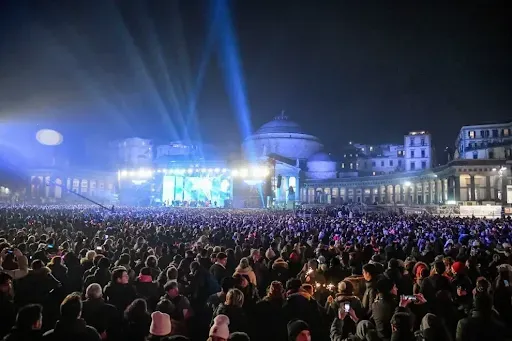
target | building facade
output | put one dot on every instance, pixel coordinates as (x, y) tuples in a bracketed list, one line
[(485, 141)]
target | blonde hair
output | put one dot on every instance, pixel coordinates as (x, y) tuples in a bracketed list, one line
[(235, 297)]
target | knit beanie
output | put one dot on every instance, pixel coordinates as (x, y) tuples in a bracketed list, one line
[(458, 267), (160, 324), (220, 327), (295, 327)]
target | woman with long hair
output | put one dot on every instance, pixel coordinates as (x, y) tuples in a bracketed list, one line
[(137, 321), (232, 308)]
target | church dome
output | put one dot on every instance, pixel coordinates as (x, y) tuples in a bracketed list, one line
[(283, 137), (321, 156), (280, 124)]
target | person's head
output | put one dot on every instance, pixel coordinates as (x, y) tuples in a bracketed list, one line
[(30, 317), (346, 288), (220, 329), (308, 288), (172, 273), (458, 267), (483, 303), (120, 276), (401, 322), (222, 258), (293, 285), (171, 289), (94, 291), (227, 283), (165, 306), (275, 290), (313, 264), (369, 272), (385, 286), (240, 281), (136, 309), (298, 330), (151, 262), (103, 263), (71, 307), (235, 298), (239, 336), (439, 267), (255, 255), (160, 324), (244, 263)]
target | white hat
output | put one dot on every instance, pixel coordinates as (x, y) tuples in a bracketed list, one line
[(160, 324), (220, 327)]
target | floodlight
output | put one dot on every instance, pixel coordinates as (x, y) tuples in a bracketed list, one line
[(124, 173)]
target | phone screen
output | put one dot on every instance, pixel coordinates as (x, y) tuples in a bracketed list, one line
[(346, 307), (507, 284)]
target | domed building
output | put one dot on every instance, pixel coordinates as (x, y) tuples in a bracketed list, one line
[(321, 166), (283, 137)]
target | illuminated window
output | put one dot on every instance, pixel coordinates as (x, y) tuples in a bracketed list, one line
[(292, 182), (373, 173), (357, 165), (342, 165), (471, 134), (351, 165), (506, 132), (76, 182), (371, 148), (356, 155)]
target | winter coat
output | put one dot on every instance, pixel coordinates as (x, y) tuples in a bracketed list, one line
[(219, 272), (76, 330), (480, 327), (249, 272)]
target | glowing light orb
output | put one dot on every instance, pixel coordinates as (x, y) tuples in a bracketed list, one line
[(49, 137)]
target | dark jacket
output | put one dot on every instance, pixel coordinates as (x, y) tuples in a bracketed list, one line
[(100, 276), (218, 271), (269, 313), (119, 295), (369, 295), (431, 285), (383, 310), (480, 327), (75, 330), (237, 319), (7, 314), (302, 306), (100, 315)]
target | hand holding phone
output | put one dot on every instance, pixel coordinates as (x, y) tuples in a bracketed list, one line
[(346, 307)]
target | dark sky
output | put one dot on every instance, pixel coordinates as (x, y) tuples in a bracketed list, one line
[(366, 71)]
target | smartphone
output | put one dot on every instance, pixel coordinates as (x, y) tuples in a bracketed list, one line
[(106, 236), (507, 284), (99, 248), (50, 246), (346, 307), (12, 251), (411, 298)]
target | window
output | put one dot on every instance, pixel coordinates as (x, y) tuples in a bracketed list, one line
[(400, 163), (382, 163), (482, 133), (475, 155), (342, 165), (471, 134), (357, 165), (422, 141), (391, 163), (423, 153), (373, 173), (423, 164), (506, 132), (371, 148), (413, 165), (411, 141), (491, 154), (351, 165), (412, 154), (495, 133), (373, 164)]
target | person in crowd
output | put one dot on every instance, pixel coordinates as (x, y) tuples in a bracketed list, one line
[(137, 321), (181, 303), (119, 292), (104, 317), (371, 277), (22, 263), (29, 322), (70, 326), (218, 270), (244, 268), (239, 336), (160, 327), (7, 307), (269, 311), (100, 273), (146, 288), (216, 299), (298, 330), (232, 308), (220, 329)]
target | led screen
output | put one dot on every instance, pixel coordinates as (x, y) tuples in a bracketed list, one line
[(196, 189)]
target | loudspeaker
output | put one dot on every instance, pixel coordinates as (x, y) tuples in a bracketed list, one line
[(279, 179)]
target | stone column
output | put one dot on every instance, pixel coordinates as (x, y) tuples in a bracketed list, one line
[(394, 195), (473, 188), (379, 194), (432, 187), (456, 188), (443, 190), (488, 192)]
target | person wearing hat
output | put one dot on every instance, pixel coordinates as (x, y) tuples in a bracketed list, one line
[(298, 330), (462, 286), (279, 271), (160, 326), (220, 329)]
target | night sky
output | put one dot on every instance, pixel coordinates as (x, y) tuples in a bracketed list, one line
[(366, 71)]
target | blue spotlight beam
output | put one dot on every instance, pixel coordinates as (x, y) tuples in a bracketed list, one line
[(233, 74)]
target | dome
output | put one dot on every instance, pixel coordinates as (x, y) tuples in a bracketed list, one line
[(280, 124), (283, 137), (321, 156)]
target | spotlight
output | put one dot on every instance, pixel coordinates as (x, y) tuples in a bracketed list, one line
[(407, 184), (132, 173), (190, 171), (244, 172), (124, 173), (234, 172)]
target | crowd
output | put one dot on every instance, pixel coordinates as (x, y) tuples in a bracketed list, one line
[(83, 273)]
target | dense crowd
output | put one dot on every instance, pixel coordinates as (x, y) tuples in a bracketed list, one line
[(83, 273)]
